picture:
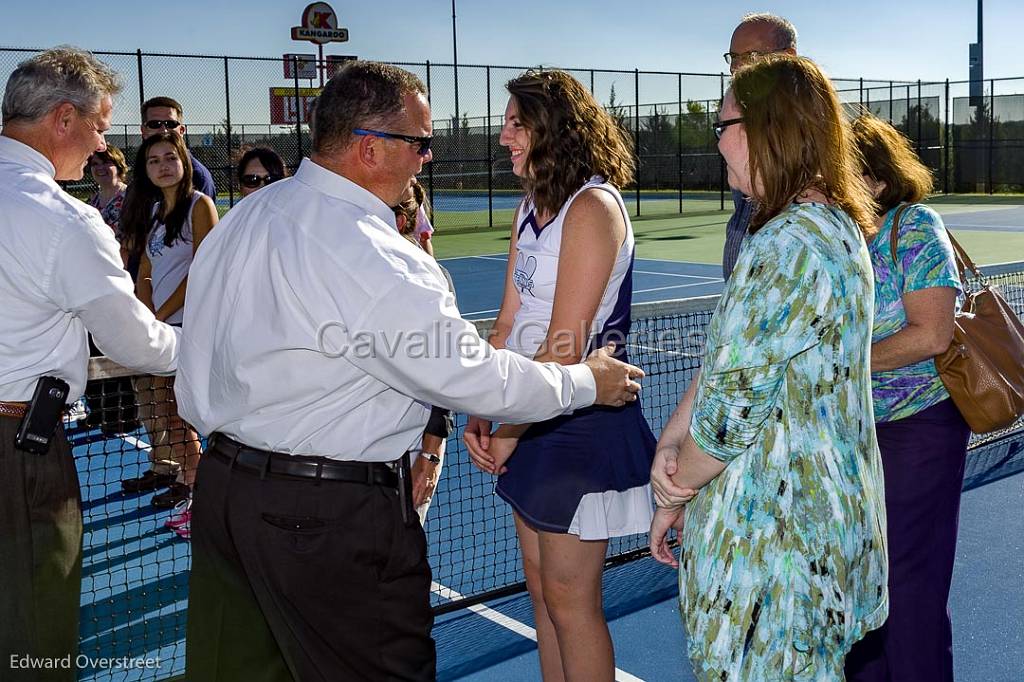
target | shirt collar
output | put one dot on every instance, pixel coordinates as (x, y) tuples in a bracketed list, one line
[(330, 183), (20, 152)]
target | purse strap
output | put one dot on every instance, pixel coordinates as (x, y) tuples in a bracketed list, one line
[(963, 261)]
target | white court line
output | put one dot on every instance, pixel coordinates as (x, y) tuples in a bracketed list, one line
[(512, 624), (955, 225), (655, 349), (501, 260), (677, 286), (467, 257), (135, 442), (674, 274)]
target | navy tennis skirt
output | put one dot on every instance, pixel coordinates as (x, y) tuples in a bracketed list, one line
[(558, 461)]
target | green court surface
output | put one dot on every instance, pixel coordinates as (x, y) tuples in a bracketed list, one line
[(991, 228)]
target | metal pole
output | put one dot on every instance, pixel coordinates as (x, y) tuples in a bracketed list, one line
[(861, 93), (455, 64), (490, 159), (636, 128), (945, 145), (919, 117), (721, 161), (592, 82), (298, 112), (227, 126), (679, 140), (991, 122), (320, 66), (430, 166), (138, 67), (890, 101)]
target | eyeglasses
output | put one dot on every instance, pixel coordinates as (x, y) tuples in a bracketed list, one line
[(166, 125), (423, 142), (720, 126), (254, 180), (731, 57)]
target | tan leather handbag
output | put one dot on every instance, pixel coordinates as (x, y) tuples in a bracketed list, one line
[(983, 369)]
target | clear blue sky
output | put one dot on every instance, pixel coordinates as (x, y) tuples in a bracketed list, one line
[(880, 39)]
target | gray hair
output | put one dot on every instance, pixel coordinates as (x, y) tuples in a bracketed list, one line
[(58, 75), (783, 31), (361, 95)]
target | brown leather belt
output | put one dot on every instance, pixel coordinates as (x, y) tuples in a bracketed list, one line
[(13, 410)]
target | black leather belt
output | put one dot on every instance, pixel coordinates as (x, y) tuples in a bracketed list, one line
[(264, 462)]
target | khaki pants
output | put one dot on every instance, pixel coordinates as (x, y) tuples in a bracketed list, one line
[(171, 440)]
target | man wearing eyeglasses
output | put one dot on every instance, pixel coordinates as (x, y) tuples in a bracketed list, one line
[(315, 340), (163, 113), (757, 35)]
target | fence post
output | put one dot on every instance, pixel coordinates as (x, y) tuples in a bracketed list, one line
[(138, 67), (861, 93), (592, 83), (890, 101), (679, 142), (907, 131), (298, 112), (919, 117), (227, 125), (991, 128), (721, 161), (945, 145), (490, 159), (430, 166), (636, 127)]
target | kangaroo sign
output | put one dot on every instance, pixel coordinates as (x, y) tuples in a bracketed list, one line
[(320, 25)]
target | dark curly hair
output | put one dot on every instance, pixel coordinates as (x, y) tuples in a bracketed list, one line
[(571, 138)]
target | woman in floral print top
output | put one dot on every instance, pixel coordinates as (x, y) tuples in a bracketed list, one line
[(109, 170), (783, 562), (922, 436)]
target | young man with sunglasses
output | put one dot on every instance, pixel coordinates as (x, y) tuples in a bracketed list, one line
[(164, 113), (756, 35), (301, 361)]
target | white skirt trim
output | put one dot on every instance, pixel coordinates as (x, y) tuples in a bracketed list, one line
[(612, 513)]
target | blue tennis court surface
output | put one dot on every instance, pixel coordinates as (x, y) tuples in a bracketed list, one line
[(988, 218), (479, 281)]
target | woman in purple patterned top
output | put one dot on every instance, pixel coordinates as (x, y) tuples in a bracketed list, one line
[(921, 434), (109, 169)]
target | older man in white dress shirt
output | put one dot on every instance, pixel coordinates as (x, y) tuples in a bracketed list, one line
[(315, 339), (61, 275)]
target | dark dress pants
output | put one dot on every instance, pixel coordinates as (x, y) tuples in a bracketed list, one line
[(40, 557), (923, 457), (295, 579)]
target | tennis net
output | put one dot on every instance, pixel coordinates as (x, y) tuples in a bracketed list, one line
[(135, 571)]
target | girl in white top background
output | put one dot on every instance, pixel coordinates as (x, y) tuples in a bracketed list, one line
[(166, 220), (579, 479)]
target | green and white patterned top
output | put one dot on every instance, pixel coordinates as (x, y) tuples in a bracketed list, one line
[(784, 554)]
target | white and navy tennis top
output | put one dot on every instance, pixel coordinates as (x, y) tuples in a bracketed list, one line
[(170, 263), (536, 272)]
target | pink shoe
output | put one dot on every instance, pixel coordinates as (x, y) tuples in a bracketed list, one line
[(181, 515)]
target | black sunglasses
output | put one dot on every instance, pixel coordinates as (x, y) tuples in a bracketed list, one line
[(166, 125), (253, 180), (423, 142), (720, 126)]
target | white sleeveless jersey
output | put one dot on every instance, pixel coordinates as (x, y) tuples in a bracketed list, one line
[(536, 272), (170, 263)]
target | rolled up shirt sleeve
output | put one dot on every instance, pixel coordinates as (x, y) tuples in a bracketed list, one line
[(89, 281), (461, 372), (770, 314)]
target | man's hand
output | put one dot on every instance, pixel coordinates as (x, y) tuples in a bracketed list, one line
[(615, 380), (663, 520), (667, 494), (477, 438)]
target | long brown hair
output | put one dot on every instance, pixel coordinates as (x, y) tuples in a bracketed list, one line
[(798, 139), (887, 157), (137, 219), (571, 138)]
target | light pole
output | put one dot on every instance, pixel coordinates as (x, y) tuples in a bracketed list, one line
[(455, 65)]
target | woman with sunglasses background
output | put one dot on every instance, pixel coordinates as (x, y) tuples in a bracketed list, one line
[(166, 220), (577, 480), (258, 167), (783, 564)]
